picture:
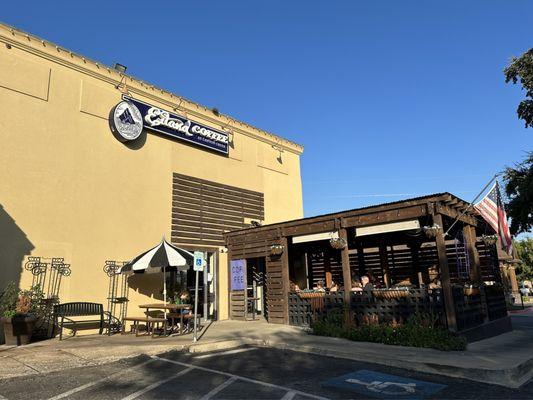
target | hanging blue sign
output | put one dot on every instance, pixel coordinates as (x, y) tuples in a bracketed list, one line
[(166, 123), (238, 274)]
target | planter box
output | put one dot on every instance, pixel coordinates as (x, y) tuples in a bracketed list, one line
[(18, 330)]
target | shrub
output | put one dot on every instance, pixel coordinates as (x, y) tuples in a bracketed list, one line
[(421, 330), (8, 300), (20, 302)]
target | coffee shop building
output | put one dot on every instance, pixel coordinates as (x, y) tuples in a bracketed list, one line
[(431, 256), (97, 166)]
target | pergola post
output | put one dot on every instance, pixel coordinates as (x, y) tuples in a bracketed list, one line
[(285, 277), (469, 233), (346, 273), (449, 304)]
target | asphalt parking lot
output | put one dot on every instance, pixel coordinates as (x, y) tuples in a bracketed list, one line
[(247, 373)]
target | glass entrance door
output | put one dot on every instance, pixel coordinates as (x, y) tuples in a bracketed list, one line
[(209, 280)]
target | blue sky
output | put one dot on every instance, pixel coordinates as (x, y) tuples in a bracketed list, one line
[(391, 99)]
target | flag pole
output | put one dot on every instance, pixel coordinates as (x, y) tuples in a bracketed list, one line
[(471, 204)]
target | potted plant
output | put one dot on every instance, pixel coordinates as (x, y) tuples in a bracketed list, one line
[(431, 231), (276, 249), (19, 312)]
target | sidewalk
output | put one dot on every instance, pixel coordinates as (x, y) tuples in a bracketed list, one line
[(506, 360)]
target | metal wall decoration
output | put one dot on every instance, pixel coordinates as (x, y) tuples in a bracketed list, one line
[(47, 275), (117, 295)]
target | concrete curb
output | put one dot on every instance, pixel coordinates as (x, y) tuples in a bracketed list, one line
[(512, 377)]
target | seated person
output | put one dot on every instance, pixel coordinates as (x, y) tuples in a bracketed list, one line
[(320, 286), (367, 285), (185, 298), (356, 285), (435, 283), (373, 280), (293, 286), (334, 287)]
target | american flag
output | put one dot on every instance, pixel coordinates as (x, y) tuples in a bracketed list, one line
[(491, 209)]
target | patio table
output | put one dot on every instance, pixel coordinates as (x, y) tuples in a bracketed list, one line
[(168, 307)]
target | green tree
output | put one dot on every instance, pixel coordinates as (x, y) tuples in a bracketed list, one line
[(520, 70), (524, 248), (519, 180), (519, 189)]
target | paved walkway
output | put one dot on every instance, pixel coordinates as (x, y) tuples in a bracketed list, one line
[(506, 359)]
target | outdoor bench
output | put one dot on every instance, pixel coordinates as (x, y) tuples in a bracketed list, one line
[(62, 312), (150, 324)]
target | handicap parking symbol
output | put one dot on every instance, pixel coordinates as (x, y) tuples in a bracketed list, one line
[(383, 386)]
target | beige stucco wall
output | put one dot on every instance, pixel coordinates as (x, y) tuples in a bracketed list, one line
[(69, 188)]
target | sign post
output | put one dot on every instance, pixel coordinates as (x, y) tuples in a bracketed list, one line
[(199, 263)]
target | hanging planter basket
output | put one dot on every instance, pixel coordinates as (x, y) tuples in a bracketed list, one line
[(338, 243), (390, 293), (489, 240), (276, 249), (431, 231)]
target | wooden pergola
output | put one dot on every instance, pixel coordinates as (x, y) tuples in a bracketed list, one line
[(439, 211)]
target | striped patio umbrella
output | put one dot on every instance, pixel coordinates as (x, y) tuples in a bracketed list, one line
[(163, 257)]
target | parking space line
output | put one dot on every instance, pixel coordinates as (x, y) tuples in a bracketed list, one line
[(223, 353), (155, 384), (242, 378), (88, 385), (289, 395), (219, 388)]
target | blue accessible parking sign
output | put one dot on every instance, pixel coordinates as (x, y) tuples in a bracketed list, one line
[(198, 261), (383, 386)]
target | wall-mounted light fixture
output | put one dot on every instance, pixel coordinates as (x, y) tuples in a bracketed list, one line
[(120, 68)]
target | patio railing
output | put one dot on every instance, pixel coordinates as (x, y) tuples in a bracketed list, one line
[(365, 307), (389, 306)]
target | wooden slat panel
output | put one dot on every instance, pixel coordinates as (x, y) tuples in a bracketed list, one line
[(203, 211), (217, 188), (207, 202), (214, 196)]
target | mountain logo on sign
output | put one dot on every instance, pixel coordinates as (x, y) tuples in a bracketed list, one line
[(126, 121), (126, 117)]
